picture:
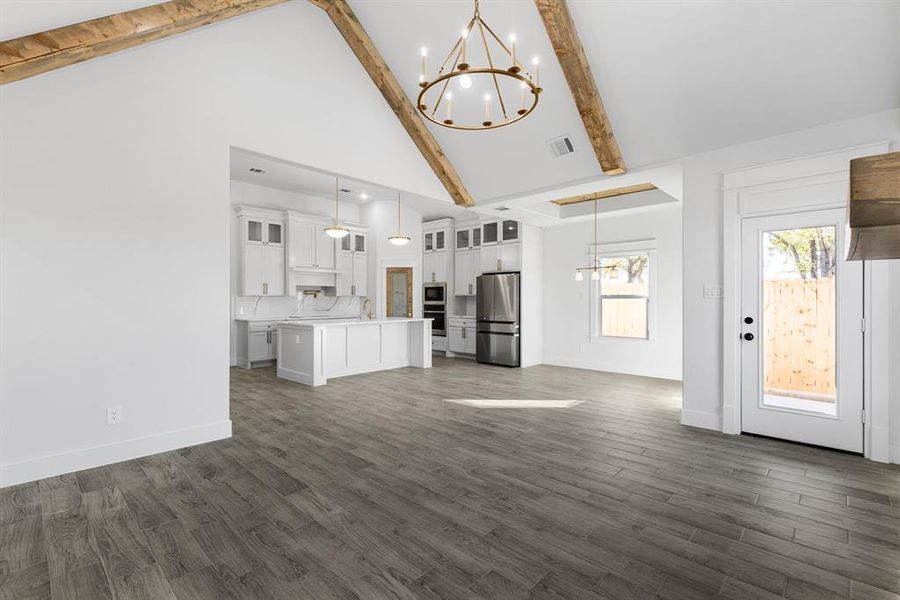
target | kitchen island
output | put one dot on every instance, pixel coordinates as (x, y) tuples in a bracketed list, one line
[(313, 351)]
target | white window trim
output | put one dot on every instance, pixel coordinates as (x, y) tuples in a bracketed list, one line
[(614, 250)]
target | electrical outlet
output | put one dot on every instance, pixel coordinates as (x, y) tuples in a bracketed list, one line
[(113, 415)]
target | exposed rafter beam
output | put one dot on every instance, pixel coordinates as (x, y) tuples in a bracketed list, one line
[(346, 22), (570, 53), (41, 52), (629, 189)]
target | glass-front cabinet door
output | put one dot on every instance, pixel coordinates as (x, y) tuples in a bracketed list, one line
[(429, 241), (490, 233), (510, 231), (440, 241), (476, 237), (255, 231), (274, 233), (359, 242), (345, 243), (462, 239)]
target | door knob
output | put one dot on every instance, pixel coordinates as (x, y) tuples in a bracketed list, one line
[(748, 320), (748, 336)]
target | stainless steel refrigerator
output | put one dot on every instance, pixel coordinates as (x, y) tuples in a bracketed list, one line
[(497, 315)]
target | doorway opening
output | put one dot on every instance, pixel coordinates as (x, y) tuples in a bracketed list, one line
[(399, 292)]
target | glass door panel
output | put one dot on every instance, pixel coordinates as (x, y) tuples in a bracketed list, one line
[(799, 319)]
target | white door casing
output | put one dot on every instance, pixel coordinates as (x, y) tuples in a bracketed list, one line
[(792, 418)]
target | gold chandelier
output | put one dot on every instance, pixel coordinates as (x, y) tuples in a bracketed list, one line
[(456, 66)]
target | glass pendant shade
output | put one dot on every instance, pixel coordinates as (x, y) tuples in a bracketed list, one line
[(336, 231), (595, 275), (579, 276)]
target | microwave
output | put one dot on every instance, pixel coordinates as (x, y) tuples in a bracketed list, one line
[(435, 293)]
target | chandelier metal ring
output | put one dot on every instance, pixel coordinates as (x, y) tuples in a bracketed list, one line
[(519, 114)]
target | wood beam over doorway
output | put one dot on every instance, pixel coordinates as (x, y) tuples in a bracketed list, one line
[(573, 60), (41, 52)]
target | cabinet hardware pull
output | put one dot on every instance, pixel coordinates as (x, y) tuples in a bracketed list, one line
[(499, 264)]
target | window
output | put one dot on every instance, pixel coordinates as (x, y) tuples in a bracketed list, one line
[(623, 296)]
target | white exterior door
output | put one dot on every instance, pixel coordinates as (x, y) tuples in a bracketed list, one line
[(802, 331)]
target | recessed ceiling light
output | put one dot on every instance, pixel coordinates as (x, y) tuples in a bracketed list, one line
[(256, 170), (364, 196)]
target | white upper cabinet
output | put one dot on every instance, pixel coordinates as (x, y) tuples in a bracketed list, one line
[(510, 231), (308, 245), (500, 232), (353, 265), (490, 233), (436, 238), (467, 265), (501, 257), (262, 252)]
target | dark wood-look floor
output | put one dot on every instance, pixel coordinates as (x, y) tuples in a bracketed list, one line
[(373, 487)]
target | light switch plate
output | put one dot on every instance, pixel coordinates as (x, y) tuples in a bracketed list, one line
[(712, 291)]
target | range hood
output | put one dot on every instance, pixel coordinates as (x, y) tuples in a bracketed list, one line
[(874, 207)]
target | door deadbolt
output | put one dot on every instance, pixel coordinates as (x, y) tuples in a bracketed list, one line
[(748, 336), (748, 320)]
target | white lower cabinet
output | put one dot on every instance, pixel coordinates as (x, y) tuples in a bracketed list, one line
[(257, 343), (461, 335)]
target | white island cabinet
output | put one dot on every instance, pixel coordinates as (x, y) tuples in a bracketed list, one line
[(311, 352)]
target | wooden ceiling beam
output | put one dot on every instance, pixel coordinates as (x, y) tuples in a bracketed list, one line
[(346, 22), (41, 52), (573, 60), (628, 189)]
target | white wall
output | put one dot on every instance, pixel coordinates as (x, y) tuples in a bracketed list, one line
[(703, 199), (381, 218), (114, 224), (566, 301)]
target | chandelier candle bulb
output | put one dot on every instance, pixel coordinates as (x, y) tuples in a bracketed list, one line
[(424, 52), (449, 106), (512, 43), (537, 71), (465, 38), (487, 108)]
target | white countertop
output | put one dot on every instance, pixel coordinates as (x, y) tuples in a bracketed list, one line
[(342, 322), (257, 319)]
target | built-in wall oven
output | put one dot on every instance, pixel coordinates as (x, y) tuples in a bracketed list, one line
[(435, 301)]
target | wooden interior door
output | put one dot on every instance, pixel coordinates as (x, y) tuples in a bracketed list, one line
[(399, 292)]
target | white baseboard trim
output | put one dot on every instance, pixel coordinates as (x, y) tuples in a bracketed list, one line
[(96, 456), (895, 453), (701, 419), (574, 363)]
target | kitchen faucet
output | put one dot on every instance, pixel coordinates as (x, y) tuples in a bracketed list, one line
[(369, 302)]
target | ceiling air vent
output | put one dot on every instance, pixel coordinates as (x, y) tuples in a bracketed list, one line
[(256, 170), (561, 146), (502, 208)]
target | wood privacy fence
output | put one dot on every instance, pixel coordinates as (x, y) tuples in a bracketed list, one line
[(626, 317), (799, 337)]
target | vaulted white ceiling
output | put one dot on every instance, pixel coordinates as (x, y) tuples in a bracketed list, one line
[(677, 78)]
